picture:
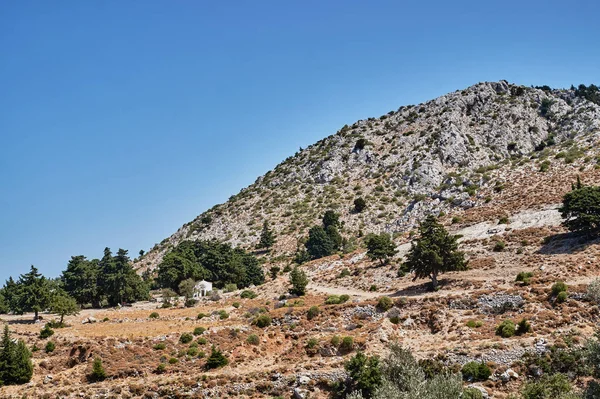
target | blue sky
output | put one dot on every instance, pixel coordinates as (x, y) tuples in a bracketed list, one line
[(122, 120)]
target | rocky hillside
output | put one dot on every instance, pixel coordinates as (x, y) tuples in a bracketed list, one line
[(438, 156)]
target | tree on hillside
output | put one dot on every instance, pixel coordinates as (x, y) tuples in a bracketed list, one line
[(63, 305), (581, 208), (186, 288), (80, 280), (380, 246), (319, 244), (119, 281), (267, 237), (330, 218), (359, 205), (434, 251), (299, 281), (31, 293), (15, 361)]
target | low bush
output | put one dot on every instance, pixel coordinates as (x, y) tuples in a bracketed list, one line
[(253, 339), (186, 338), (384, 303), (506, 329), (161, 368), (347, 344), (46, 332), (201, 341), (499, 246), (160, 346), (248, 294), (548, 387), (524, 277), (223, 314), (312, 312), (50, 346), (335, 340), (98, 372), (476, 371), (173, 360), (154, 315), (201, 316), (336, 300), (262, 321), (199, 330), (474, 323), (562, 297), (236, 305), (559, 287)]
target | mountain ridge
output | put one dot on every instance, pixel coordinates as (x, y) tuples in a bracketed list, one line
[(419, 159)]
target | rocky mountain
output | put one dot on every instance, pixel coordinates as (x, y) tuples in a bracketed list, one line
[(428, 158)]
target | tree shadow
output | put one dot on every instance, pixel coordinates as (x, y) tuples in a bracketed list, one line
[(418, 289), (567, 243)]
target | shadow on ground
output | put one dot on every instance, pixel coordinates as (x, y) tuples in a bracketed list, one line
[(567, 243)]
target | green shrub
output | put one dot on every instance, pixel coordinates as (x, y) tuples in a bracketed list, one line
[(359, 205), (253, 339), (201, 341), (553, 386), (46, 332), (474, 323), (98, 372), (503, 220), (216, 359), (335, 340), (223, 314), (312, 343), (192, 352), (499, 246), (373, 288), (344, 273), (262, 321), (506, 329), (199, 330), (160, 346), (154, 315), (236, 305), (201, 315), (161, 368), (186, 338), (248, 294), (559, 287), (384, 303), (312, 312), (524, 277), (50, 346), (230, 287), (347, 344), (472, 393), (562, 297), (173, 360), (476, 371)]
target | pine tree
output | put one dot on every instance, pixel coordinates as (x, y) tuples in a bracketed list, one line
[(31, 293), (435, 251), (267, 237), (319, 243), (81, 280), (581, 208), (299, 281), (380, 247), (15, 361), (216, 359), (98, 372)]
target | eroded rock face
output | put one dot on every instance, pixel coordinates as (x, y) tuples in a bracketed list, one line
[(421, 159)]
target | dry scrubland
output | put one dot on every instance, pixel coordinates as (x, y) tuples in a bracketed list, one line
[(514, 203)]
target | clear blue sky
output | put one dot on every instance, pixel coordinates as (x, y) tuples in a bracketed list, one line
[(122, 120)]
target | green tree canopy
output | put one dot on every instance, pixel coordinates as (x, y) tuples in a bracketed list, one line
[(211, 260), (581, 209), (119, 282), (435, 251), (319, 244), (80, 280), (360, 204), (15, 361), (299, 281), (330, 218), (30, 294), (380, 246), (63, 305)]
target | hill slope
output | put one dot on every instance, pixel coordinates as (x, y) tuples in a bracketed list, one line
[(433, 157)]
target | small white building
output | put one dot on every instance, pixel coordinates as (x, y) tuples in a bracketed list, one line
[(202, 288)]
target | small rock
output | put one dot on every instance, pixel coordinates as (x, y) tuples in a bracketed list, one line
[(303, 380), (299, 393), (48, 379)]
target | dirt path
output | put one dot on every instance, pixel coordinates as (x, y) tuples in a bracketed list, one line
[(346, 291)]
